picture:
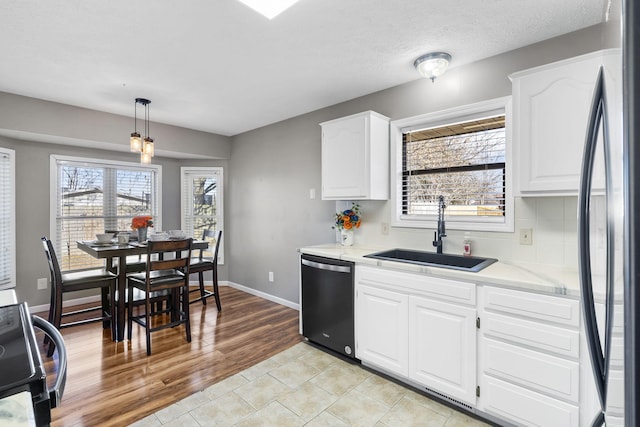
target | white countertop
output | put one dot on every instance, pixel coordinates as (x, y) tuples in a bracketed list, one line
[(529, 277), (8, 297), (17, 411)]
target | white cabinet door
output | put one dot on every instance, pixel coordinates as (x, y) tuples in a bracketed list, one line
[(551, 109), (355, 157), (382, 333), (442, 347)]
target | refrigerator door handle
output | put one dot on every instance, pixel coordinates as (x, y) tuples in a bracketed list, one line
[(599, 359)]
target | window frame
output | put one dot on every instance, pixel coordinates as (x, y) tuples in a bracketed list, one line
[(206, 171), (441, 118), (9, 244), (54, 161)]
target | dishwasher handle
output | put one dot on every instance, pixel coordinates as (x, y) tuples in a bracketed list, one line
[(329, 267)]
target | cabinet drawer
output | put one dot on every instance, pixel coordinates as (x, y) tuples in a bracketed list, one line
[(563, 342), (537, 371), (526, 407), (418, 284), (543, 307)]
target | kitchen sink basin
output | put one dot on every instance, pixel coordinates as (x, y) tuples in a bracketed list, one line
[(456, 262)]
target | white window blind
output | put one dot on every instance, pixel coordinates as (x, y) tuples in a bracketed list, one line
[(93, 197), (464, 162), (202, 202), (7, 219)]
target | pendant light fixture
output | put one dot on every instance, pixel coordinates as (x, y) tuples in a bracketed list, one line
[(138, 145), (432, 65)]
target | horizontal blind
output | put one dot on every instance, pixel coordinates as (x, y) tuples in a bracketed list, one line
[(464, 162), (202, 202), (96, 197), (7, 219)]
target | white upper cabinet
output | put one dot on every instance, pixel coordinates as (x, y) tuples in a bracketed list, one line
[(355, 157), (551, 109)]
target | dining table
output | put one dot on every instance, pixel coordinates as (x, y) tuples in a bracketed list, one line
[(120, 251)]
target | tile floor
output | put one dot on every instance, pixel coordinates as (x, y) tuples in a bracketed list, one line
[(303, 386)]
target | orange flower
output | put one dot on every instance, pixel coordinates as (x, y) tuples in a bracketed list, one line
[(347, 225), (141, 221)]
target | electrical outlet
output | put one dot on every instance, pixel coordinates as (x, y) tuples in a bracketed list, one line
[(526, 236), (42, 283), (271, 276), (385, 228)]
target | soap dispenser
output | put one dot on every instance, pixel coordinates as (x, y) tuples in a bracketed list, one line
[(466, 245)]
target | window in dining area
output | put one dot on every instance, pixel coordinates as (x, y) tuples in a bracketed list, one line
[(202, 196), (7, 219), (92, 196)]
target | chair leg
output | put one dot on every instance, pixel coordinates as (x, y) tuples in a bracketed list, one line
[(130, 311), (57, 320), (147, 325), (106, 307), (215, 290), (52, 308), (201, 281), (185, 310)]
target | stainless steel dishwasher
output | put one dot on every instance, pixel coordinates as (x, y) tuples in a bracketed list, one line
[(327, 303)]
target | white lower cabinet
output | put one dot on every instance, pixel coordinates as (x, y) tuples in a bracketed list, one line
[(442, 350), (381, 324), (514, 356), (528, 358), (405, 327)]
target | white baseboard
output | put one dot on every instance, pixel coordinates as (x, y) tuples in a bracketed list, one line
[(264, 295), (96, 298)]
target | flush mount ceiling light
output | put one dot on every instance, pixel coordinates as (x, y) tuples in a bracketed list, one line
[(269, 8), (138, 145), (433, 64)]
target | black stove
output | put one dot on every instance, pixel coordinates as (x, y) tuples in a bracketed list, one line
[(21, 367)]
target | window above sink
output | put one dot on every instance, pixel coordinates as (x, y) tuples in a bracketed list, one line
[(463, 154)]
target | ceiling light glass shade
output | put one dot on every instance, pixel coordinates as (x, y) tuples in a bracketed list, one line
[(432, 65), (148, 146), (135, 142), (269, 8), (145, 146)]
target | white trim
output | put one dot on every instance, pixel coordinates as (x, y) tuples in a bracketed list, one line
[(458, 114), (263, 295), (53, 185), (218, 171)]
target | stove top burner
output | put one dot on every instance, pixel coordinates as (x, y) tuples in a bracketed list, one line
[(16, 357)]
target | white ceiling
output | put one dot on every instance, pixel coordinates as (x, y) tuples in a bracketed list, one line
[(218, 66)]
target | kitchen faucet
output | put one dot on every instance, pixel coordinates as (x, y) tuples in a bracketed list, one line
[(438, 235)]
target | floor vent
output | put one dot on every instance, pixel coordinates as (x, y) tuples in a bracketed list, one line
[(449, 399)]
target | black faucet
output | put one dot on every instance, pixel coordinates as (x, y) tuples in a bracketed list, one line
[(438, 235)]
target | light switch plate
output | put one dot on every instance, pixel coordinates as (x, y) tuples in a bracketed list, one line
[(526, 236)]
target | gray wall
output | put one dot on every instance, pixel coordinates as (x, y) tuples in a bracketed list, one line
[(273, 168)]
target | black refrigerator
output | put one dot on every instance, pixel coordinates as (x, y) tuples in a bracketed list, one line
[(609, 226)]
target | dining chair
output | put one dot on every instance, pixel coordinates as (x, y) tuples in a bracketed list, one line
[(203, 263), (62, 283), (163, 276)]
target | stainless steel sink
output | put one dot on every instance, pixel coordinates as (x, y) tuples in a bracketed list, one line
[(455, 262)]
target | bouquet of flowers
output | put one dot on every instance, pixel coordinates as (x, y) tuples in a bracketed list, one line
[(141, 221), (348, 219)]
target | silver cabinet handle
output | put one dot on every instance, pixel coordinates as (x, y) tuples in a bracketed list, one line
[(329, 267)]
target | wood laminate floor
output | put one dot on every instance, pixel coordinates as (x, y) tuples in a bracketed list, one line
[(116, 384)]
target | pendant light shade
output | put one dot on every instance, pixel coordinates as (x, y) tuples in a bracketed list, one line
[(137, 144), (432, 65)]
